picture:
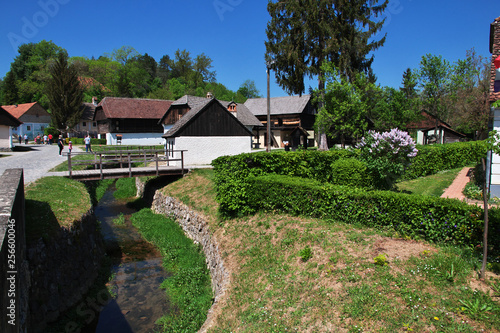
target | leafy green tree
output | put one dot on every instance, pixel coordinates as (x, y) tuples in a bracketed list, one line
[(165, 68), (470, 83), (30, 71), (248, 90), (10, 94), (182, 65), (123, 54), (65, 94), (303, 34), (344, 110), (202, 72), (435, 84)]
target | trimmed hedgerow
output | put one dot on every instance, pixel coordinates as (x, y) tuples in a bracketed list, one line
[(231, 172), (431, 159), (414, 216)]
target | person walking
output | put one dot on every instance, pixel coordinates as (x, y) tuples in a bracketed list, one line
[(60, 144), (70, 146), (25, 139), (45, 139), (87, 144), (50, 139)]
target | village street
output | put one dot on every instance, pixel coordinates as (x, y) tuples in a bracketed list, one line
[(35, 162)]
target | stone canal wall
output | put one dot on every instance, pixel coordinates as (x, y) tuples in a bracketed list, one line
[(196, 228), (62, 269)]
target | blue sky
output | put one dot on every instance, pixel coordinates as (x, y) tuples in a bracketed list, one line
[(232, 32)]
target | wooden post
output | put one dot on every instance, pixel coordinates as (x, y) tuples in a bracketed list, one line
[(156, 159), (145, 164), (121, 160), (129, 166), (100, 165)]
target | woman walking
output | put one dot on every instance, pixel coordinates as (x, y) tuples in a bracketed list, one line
[(60, 144)]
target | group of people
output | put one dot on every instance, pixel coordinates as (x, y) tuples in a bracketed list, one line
[(60, 144)]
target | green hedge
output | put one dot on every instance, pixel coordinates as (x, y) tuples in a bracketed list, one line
[(415, 216), (231, 172), (80, 141), (434, 158)]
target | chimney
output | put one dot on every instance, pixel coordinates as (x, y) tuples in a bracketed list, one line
[(232, 108), (210, 95)]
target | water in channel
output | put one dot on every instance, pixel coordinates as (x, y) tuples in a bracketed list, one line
[(137, 272)]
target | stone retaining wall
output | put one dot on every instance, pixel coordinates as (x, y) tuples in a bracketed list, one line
[(196, 228), (62, 270)]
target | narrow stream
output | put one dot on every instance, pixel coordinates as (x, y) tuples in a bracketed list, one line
[(137, 272)]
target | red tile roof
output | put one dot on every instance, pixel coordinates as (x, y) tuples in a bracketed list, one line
[(7, 119), (426, 121), (18, 110), (136, 108)]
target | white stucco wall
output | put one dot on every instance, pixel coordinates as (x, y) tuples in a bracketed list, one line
[(495, 160), (5, 137), (136, 139), (202, 150)]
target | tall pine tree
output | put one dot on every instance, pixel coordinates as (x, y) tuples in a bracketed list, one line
[(303, 34), (65, 94)]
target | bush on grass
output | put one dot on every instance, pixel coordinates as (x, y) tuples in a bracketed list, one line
[(413, 216)]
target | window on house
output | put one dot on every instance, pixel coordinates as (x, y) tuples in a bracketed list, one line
[(94, 124), (28, 128), (84, 124)]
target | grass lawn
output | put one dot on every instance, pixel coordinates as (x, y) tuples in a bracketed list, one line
[(433, 185), (295, 274), (53, 202)]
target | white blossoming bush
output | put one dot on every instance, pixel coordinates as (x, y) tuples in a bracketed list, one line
[(387, 155)]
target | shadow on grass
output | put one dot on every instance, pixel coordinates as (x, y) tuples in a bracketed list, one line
[(40, 221)]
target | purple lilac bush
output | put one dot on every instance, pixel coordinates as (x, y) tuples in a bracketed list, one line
[(387, 155)]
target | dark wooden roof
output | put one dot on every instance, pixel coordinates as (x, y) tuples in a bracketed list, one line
[(7, 119), (212, 119), (242, 113), (133, 108), (88, 111), (427, 120), (279, 105)]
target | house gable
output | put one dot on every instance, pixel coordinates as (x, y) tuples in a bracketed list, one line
[(29, 113), (209, 119), (6, 119)]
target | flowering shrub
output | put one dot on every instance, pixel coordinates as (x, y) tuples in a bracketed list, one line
[(387, 155)]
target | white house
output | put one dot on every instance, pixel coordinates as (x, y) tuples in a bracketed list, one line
[(33, 116), (205, 129)]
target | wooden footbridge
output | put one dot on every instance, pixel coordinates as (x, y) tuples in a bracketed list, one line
[(121, 163)]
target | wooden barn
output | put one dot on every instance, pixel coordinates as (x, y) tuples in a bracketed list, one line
[(289, 115), (131, 121), (205, 130)]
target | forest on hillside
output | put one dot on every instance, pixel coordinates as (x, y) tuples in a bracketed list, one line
[(122, 73)]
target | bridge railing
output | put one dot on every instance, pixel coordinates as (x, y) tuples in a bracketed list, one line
[(123, 158)]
